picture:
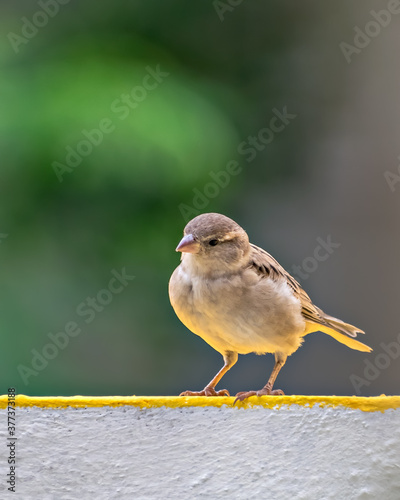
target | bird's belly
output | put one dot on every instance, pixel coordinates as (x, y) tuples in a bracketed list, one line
[(261, 317)]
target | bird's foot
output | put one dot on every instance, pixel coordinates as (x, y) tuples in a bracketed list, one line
[(207, 391), (241, 396)]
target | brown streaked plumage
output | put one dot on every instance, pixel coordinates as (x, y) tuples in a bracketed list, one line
[(239, 299), (266, 265)]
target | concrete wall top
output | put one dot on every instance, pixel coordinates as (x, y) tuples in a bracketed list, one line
[(146, 448)]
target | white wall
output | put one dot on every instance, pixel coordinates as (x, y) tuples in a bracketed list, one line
[(204, 452)]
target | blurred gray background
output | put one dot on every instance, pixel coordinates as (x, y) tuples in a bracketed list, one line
[(224, 70)]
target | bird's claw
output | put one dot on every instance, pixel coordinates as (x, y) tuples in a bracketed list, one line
[(207, 391), (241, 396)]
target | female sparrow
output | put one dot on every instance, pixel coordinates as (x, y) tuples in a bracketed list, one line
[(237, 298)]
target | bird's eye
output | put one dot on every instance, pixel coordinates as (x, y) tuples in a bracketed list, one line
[(213, 243)]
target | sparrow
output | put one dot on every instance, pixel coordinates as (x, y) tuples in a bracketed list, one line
[(240, 300)]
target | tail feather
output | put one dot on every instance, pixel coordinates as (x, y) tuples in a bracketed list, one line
[(344, 339), (341, 326), (339, 330)]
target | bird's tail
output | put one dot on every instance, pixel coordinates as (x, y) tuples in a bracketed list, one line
[(339, 330)]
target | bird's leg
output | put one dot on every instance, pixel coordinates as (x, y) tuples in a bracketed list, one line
[(230, 359), (280, 360)]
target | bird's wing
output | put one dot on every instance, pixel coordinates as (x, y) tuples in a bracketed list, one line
[(265, 265)]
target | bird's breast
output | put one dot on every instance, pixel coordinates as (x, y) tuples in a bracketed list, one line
[(240, 312)]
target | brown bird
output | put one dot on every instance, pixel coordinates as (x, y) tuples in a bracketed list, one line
[(239, 299)]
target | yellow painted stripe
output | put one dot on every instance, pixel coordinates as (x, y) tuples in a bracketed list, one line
[(380, 403)]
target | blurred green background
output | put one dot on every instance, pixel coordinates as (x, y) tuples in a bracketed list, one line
[(181, 86)]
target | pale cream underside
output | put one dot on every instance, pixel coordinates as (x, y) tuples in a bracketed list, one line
[(242, 312)]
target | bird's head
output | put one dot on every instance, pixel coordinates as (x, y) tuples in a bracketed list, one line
[(213, 243)]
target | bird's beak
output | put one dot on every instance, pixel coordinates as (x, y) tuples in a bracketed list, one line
[(188, 244)]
